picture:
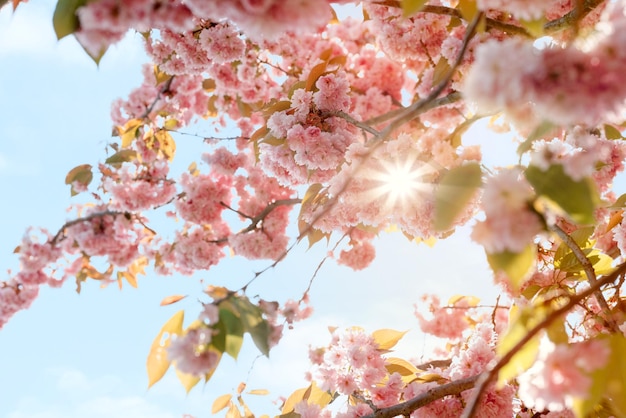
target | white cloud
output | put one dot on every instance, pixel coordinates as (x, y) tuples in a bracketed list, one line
[(79, 396)]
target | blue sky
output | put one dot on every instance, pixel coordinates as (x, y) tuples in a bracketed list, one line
[(84, 355)]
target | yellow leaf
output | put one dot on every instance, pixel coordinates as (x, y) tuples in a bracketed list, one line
[(410, 7), (188, 380), (387, 338), (258, 392), (402, 367), (233, 411), (128, 132), (315, 396), (431, 377), (468, 9), (158, 363), (221, 403)]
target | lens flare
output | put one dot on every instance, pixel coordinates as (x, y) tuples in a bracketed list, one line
[(402, 182)]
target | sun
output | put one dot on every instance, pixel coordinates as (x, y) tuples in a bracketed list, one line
[(401, 182)]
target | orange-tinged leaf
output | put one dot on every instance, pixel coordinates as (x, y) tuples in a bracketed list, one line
[(158, 363), (172, 299), (131, 279), (387, 338), (220, 403), (241, 388), (316, 72)]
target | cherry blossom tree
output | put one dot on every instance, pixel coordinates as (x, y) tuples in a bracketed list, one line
[(350, 126)]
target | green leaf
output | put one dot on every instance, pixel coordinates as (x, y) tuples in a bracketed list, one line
[(158, 363), (539, 132), (456, 188), (65, 20), (122, 156), (234, 332), (577, 198), (251, 317), (410, 7), (516, 265), (612, 132), (81, 174)]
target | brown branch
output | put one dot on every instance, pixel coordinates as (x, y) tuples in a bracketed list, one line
[(571, 18), (453, 97), (59, 235), (416, 108), (405, 408), (487, 377), (589, 271), (449, 11), (362, 125)]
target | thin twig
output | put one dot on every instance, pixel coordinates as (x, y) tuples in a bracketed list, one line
[(571, 18), (487, 377), (164, 89), (589, 271)]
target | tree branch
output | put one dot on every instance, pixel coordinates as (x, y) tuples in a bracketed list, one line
[(416, 108), (487, 377), (59, 235)]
